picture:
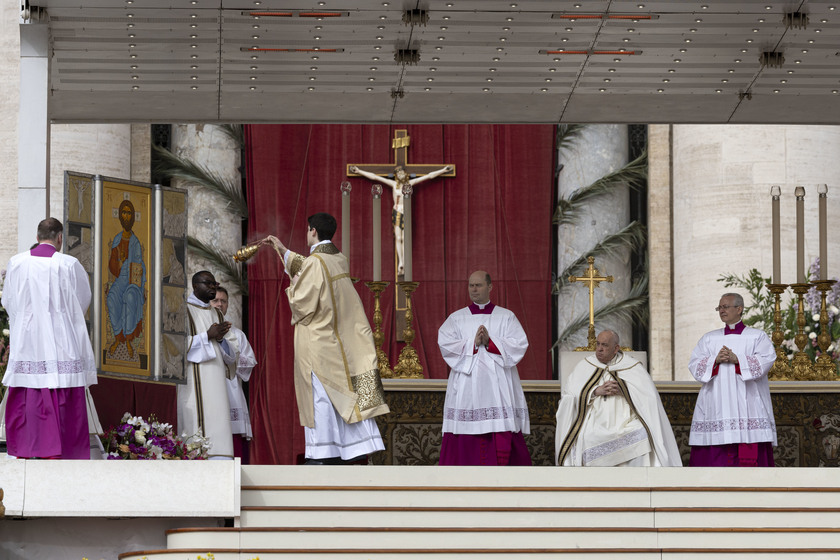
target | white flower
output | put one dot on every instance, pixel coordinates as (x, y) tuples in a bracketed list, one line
[(5, 332), (830, 348), (812, 336), (833, 309), (807, 328), (140, 437), (816, 317)]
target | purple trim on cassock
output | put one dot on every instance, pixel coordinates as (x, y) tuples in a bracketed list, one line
[(737, 329), (494, 449), (476, 310), (47, 423), (43, 250), (733, 455)]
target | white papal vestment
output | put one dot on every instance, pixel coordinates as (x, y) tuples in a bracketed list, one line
[(629, 429)]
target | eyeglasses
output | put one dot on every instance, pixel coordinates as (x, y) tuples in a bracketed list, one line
[(725, 307)]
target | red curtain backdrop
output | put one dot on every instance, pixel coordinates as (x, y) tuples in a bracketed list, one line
[(494, 215)]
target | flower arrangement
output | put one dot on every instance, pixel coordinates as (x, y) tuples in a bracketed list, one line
[(760, 314), (135, 438)]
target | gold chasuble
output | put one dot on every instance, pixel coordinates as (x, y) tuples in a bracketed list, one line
[(333, 338)]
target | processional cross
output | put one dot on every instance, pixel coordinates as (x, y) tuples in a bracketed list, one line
[(594, 280)]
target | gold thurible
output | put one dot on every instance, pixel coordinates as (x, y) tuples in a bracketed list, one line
[(246, 252)]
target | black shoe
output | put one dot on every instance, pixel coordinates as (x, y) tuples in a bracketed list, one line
[(325, 461), (360, 460)]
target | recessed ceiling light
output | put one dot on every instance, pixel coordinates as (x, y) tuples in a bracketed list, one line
[(804, 51), (377, 47), (671, 70), (724, 81), (380, 27), (755, 30), (313, 68), (427, 89), (442, 28), (718, 91), (193, 36), (790, 71), (666, 80), (383, 17), (493, 69), (430, 79), (373, 68), (548, 79), (131, 45), (616, 60), (834, 91), (810, 41), (660, 90), (193, 77), (683, 50), (488, 79), (631, 30), (131, 35), (485, 89), (135, 87), (434, 58), (737, 60), (252, 88), (134, 67), (505, 28), (783, 81), (544, 89), (370, 89), (375, 58), (749, 40), (432, 69), (692, 30), (195, 67), (193, 25), (311, 88), (607, 80), (817, 30), (743, 50), (760, 20), (677, 60), (135, 77), (775, 91), (698, 20), (797, 62), (602, 89), (311, 78), (552, 70), (315, 57), (497, 59), (254, 78), (731, 71)]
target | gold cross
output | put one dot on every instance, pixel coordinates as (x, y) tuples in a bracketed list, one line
[(593, 279)]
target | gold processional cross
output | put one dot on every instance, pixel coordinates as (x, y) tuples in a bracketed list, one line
[(593, 279), (400, 144)]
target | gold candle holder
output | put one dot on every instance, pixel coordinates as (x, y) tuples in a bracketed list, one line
[(781, 370), (408, 366), (825, 369), (803, 369), (377, 288)]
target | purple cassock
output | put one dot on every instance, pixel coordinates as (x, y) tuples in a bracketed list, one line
[(43, 422)]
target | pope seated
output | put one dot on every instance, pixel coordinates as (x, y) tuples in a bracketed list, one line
[(610, 414)]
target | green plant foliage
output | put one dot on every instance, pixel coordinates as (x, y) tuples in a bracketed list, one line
[(567, 134), (633, 175), (176, 167), (759, 315)]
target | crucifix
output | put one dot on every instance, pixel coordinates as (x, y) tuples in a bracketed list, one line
[(591, 277), (401, 176)]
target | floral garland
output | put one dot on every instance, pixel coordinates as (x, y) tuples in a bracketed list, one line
[(135, 438)]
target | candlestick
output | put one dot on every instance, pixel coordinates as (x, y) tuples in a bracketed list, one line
[(346, 187), (775, 192), (781, 370), (803, 369), (376, 191), (408, 364), (823, 190), (407, 272), (800, 235), (825, 369), (377, 288)]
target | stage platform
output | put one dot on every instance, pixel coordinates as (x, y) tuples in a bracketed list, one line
[(179, 511)]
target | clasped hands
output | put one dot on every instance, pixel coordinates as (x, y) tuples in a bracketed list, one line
[(217, 331), (607, 389), (482, 337), (726, 356)]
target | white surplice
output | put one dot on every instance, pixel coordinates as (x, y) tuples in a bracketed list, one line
[(240, 418), (733, 408), (629, 429), (46, 299), (203, 402), (484, 393)]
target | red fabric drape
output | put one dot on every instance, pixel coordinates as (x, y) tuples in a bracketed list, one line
[(115, 397), (494, 215)]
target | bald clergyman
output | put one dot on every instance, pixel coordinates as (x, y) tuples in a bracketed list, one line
[(484, 414), (610, 414)]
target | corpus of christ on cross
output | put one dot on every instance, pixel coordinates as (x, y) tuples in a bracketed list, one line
[(401, 176)]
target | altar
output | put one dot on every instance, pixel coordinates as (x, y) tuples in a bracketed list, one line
[(807, 420)]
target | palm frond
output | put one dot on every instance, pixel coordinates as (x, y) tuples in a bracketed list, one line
[(633, 175), (223, 262), (176, 167), (634, 308), (567, 134), (633, 237), (235, 132)]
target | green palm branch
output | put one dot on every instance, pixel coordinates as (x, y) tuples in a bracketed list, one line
[(235, 132), (176, 167), (633, 237), (633, 175), (634, 308), (567, 134), (223, 262)]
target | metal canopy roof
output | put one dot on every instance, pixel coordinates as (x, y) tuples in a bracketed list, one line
[(480, 61)]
